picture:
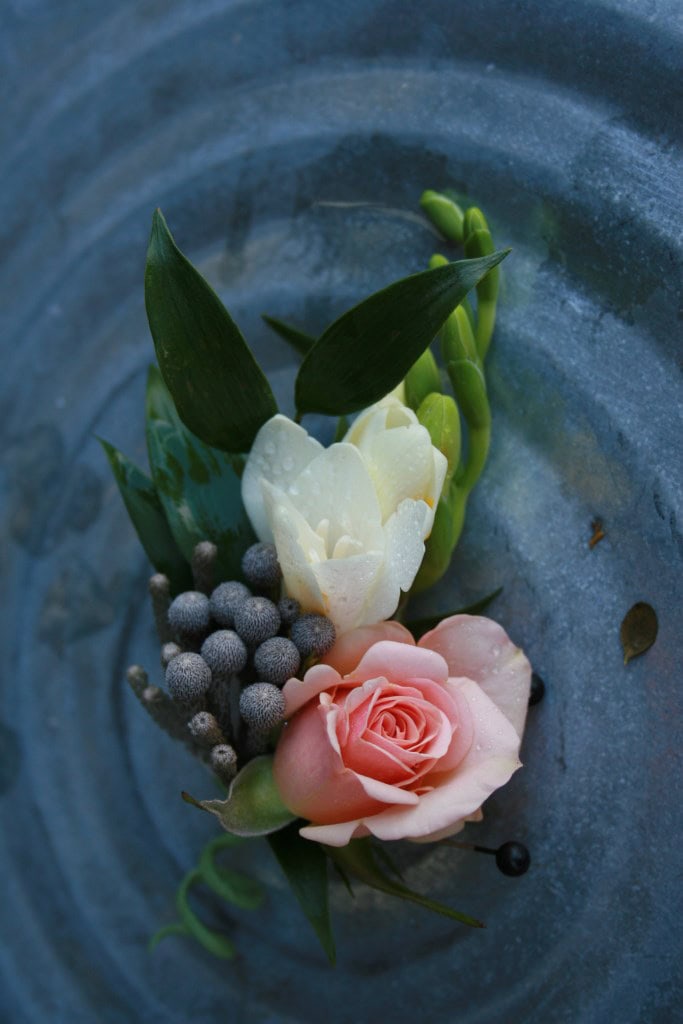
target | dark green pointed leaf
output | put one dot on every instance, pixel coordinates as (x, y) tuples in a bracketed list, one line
[(147, 516), (218, 387), (299, 340), (368, 351), (358, 859), (199, 486), (253, 806), (418, 627), (305, 865)]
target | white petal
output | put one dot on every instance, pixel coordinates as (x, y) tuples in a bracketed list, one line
[(389, 412), (281, 449), (401, 465), (345, 584), (336, 486), (297, 545), (404, 535)]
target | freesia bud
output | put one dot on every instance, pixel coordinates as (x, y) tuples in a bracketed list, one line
[(422, 378), (444, 213), (480, 243), (473, 220), (439, 414), (470, 391), (457, 339), (439, 547)]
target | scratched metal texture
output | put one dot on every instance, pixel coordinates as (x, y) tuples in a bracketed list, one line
[(287, 144)]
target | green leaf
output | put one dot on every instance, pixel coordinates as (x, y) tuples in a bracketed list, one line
[(418, 627), (253, 806), (147, 516), (369, 350), (199, 486), (305, 865), (299, 340), (218, 387), (358, 859)]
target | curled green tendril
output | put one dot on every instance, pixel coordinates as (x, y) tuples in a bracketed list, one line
[(231, 886)]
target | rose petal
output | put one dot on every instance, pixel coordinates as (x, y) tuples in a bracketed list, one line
[(399, 662), (334, 835), (280, 451), (350, 648), (310, 776), (298, 691), (491, 760), (385, 792), (450, 830), (480, 649)]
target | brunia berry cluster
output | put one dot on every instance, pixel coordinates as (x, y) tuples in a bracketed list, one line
[(226, 651)]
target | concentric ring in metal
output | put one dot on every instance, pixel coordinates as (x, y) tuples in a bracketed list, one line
[(288, 145)]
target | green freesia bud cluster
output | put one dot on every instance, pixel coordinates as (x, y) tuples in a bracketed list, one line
[(464, 340)]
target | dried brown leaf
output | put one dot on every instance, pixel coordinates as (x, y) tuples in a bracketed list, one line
[(638, 630)]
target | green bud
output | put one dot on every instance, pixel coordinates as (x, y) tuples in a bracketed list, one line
[(444, 214), (437, 260), (473, 220), (457, 338), (438, 548), (439, 414), (470, 391), (480, 243), (422, 378)]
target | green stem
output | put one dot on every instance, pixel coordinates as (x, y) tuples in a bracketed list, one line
[(486, 321)]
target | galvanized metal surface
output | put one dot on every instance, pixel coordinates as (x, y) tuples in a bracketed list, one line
[(287, 145)]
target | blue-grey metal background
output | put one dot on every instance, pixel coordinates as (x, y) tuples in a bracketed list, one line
[(288, 143)]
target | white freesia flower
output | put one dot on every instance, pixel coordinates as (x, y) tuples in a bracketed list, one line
[(349, 522)]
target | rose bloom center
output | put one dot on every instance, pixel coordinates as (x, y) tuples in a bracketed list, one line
[(393, 734)]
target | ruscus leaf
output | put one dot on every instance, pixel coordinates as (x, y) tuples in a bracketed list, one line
[(305, 866), (299, 340), (358, 859), (366, 352), (147, 516), (198, 486), (218, 387)]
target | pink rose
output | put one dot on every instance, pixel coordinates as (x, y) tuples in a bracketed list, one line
[(403, 741)]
